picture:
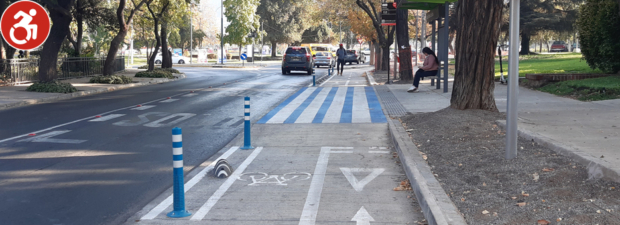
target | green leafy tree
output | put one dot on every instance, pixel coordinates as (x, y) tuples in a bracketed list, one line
[(123, 23), (60, 13), (317, 34), (598, 27), (243, 20), (283, 20), (554, 15)]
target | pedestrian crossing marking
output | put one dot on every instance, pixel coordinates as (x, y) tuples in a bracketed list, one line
[(328, 105)]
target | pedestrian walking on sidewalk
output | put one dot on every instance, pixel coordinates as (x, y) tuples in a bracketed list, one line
[(341, 53), (429, 68)]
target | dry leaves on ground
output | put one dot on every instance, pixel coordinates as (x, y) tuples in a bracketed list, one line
[(404, 186), (543, 222)]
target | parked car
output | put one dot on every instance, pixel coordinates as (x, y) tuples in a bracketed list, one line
[(297, 58), (559, 46), (176, 59), (324, 59), (353, 57), (366, 51)]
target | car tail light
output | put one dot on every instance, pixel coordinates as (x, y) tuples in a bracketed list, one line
[(284, 57), (329, 57), (307, 57)]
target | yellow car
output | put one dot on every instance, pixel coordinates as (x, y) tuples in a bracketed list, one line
[(314, 48)]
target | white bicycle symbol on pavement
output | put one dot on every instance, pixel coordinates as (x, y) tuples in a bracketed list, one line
[(264, 178), (31, 29)]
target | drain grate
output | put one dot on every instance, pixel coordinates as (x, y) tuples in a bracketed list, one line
[(390, 102)]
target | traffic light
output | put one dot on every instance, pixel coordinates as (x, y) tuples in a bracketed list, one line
[(388, 13)]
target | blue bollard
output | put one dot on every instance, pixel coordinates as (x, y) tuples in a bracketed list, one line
[(247, 142), (178, 183), (313, 79)]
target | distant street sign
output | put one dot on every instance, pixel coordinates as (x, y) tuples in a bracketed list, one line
[(359, 40), (244, 56)]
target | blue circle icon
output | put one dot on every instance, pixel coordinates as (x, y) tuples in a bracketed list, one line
[(244, 56)]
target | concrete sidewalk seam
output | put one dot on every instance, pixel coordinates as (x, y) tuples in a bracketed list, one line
[(85, 93), (596, 167), (435, 203)]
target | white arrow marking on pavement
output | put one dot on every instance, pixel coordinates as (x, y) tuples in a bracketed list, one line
[(47, 138), (362, 217), (359, 185)]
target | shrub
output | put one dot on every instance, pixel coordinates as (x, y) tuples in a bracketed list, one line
[(597, 26), (171, 70), (144, 67), (155, 74), (114, 79), (54, 87)]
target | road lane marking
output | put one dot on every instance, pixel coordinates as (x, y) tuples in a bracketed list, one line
[(311, 207), (295, 115), (362, 217), (324, 82), (202, 212), (158, 123), (170, 100), (361, 113), (376, 113), (359, 185), (379, 152), (335, 109), (46, 138), (312, 111), (279, 107), (144, 107), (264, 178), (143, 119), (190, 95), (347, 109), (199, 176), (106, 118), (286, 111)]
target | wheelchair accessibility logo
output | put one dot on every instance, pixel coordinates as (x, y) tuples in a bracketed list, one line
[(25, 25)]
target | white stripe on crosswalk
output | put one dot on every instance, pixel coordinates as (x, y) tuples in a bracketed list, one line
[(335, 110), (361, 113), (308, 115), (285, 112)]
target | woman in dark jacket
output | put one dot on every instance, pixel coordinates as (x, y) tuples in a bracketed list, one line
[(429, 68)]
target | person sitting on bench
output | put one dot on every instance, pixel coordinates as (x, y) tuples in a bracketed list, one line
[(429, 68)]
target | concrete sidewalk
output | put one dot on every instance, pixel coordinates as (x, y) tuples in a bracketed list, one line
[(15, 96), (585, 131)]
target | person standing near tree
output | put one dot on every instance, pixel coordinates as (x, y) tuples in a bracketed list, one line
[(341, 53)]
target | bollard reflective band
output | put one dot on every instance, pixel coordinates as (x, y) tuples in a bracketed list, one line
[(246, 130)]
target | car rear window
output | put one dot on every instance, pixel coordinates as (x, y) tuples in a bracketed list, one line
[(296, 51), (322, 54), (351, 52), (558, 42), (318, 48)]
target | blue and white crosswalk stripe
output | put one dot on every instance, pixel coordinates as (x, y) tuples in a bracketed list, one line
[(328, 105)]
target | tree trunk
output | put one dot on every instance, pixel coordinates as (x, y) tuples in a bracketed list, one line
[(372, 53), (77, 43), (166, 55), (525, 43), (378, 58), (450, 40), (478, 30), (9, 51), (156, 47), (385, 53), (274, 45), (540, 47), (61, 18), (110, 62), (402, 33)]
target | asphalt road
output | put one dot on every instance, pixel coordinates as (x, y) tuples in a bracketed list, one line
[(78, 171)]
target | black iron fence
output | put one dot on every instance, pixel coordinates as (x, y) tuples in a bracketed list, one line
[(14, 71)]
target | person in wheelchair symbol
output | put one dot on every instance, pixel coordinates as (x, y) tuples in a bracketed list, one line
[(31, 29)]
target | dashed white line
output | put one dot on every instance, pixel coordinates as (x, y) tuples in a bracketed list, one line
[(144, 107), (169, 100), (106, 118), (379, 152)]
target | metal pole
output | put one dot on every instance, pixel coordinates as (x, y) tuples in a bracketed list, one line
[(131, 48), (446, 40), (178, 184), (247, 142), (191, 33), (513, 82), (222, 32), (395, 52), (340, 32)]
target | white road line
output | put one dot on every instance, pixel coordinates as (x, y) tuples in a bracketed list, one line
[(46, 138), (311, 207), (202, 212), (341, 152), (379, 152), (80, 120), (168, 201), (169, 100), (324, 82), (106, 118), (281, 116), (359, 185), (310, 112), (144, 107), (190, 95), (361, 112), (383, 148), (335, 110), (347, 83)]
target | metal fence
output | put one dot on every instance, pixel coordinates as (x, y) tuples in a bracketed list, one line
[(14, 71)]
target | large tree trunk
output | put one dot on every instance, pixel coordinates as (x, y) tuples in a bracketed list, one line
[(402, 33), (77, 42), (166, 55), (478, 31), (274, 45), (525, 43), (378, 58), (156, 47), (110, 62), (372, 53), (61, 18)]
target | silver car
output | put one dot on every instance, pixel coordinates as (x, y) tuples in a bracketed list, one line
[(324, 59)]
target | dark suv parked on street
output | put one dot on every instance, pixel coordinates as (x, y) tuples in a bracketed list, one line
[(297, 58)]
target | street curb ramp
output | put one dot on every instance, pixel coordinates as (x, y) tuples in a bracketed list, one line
[(435, 203), (596, 167)]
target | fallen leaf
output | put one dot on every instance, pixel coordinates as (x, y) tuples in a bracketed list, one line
[(525, 195), (462, 199), (574, 167), (521, 204), (543, 222), (484, 184), (559, 219), (409, 130), (598, 211), (494, 213), (513, 198), (544, 200), (548, 169), (536, 177), (404, 186), (460, 164), (485, 212)]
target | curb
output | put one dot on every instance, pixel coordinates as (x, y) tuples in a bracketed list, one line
[(596, 167), (436, 206), (85, 93)]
